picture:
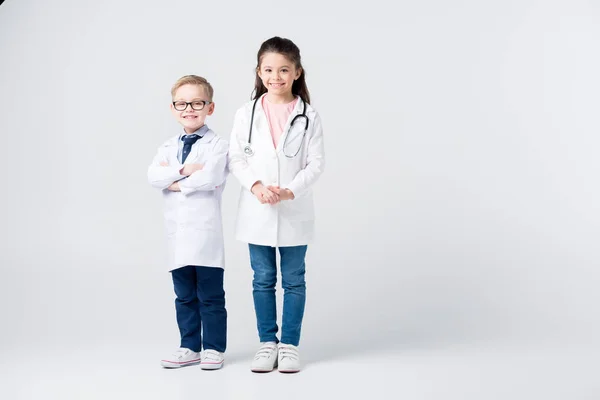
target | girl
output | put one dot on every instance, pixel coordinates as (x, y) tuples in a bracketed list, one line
[(276, 152)]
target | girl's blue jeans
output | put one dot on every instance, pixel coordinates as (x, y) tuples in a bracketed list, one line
[(263, 262)]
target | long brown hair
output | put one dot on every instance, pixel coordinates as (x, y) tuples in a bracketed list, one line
[(289, 50)]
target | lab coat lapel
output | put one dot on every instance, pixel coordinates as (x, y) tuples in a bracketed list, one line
[(172, 151), (286, 130), (208, 136), (193, 156), (261, 131)]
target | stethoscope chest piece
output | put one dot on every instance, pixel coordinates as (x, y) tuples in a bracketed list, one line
[(248, 150)]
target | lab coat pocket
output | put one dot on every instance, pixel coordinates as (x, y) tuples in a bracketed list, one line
[(299, 209), (204, 215)]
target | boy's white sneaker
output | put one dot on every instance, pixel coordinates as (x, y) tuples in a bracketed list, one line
[(289, 358), (181, 358), (265, 359), (212, 359)]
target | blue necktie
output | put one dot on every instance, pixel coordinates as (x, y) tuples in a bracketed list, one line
[(188, 141)]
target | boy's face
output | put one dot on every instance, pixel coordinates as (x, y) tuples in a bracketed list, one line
[(188, 115)]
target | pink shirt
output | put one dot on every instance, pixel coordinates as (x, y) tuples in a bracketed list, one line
[(277, 115)]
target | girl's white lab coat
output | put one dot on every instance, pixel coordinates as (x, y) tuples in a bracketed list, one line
[(290, 222), (193, 216)]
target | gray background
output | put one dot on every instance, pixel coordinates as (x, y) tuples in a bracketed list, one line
[(459, 206)]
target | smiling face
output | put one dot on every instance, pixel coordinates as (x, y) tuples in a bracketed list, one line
[(189, 115), (278, 74)]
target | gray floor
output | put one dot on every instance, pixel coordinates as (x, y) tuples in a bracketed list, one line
[(476, 371)]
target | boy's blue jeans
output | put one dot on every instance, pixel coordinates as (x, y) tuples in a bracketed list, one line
[(263, 262), (200, 306)]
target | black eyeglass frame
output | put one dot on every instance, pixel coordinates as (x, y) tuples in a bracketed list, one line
[(191, 104)]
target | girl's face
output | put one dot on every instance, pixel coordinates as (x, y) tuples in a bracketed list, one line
[(278, 74)]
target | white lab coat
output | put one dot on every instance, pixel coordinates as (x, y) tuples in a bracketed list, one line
[(290, 222), (193, 216)]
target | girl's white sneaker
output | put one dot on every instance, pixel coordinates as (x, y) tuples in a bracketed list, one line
[(265, 359), (289, 358)]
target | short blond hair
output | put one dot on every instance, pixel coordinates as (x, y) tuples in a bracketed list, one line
[(193, 80)]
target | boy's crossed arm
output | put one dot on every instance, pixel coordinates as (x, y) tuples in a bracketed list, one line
[(187, 170), (188, 178), (161, 175), (210, 175)]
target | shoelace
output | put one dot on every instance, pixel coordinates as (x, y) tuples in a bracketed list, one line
[(264, 352), (288, 352), (212, 355)]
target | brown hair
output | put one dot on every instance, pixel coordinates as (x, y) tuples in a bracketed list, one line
[(289, 50), (193, 80)]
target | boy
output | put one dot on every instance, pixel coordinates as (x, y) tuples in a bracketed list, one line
[(191, 169)]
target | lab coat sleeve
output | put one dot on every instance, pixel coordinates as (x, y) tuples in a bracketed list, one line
[(315, 162), (162, 177), (238, 165), (212, 175)]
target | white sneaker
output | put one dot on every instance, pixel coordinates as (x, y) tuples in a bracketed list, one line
[(212, 359), (265, 359), (289, 358), (181, 358)]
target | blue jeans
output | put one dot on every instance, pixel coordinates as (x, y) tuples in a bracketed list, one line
[(263, 262), (200, 305)]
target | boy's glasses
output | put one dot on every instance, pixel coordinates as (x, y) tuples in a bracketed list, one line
[(196, 105)]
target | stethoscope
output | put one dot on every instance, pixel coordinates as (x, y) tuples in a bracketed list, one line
[(248, 148)]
